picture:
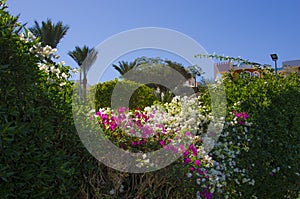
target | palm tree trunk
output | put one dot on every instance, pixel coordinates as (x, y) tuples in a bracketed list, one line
[(80, 84), (84, 82)]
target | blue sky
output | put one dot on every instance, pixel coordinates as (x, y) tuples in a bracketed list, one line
[(250, 29)]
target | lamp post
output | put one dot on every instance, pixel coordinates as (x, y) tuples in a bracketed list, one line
[(195, 71), (275, 58)]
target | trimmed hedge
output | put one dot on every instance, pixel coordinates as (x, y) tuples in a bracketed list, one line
[(141, 97)]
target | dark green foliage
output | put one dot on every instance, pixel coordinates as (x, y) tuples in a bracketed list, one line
[(273, 104), (38, 144), (141, 97)]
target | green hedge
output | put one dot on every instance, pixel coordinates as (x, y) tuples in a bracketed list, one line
[(40, 152), (141, 97), (273, 104)]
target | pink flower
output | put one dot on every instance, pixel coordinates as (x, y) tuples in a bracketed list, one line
[(112, 126), (186, 153), (181, 147), (242, 116), (162, 143), (197, 162), (187, 134), (193, 149), (186, 160), (192, 169), (121, 110)]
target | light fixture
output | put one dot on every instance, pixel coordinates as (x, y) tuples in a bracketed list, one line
[(275, 58)]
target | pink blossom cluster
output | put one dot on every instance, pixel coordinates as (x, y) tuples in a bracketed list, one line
[(241, 116)]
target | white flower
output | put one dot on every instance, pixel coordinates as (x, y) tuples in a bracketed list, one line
[(62, 83), (56, 71), (144, 156), (64, 75), (112, 192), (53, 50), (121, 188), (252, 182), (56, 56), (32, 50), (75, 70), (61, 63), (22, 36), (30, 35)]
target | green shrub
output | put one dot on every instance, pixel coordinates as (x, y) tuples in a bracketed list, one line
[(141, 97), (40, 152), (273, 104)]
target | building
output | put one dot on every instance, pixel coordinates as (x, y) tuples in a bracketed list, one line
[(291, 66), (224, 67)]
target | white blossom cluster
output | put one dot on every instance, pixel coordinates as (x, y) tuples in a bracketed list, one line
[(184, 116), (44, 53)]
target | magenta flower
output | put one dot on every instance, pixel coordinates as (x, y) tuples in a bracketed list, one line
[(112, 126), (162, 143), (192, 169), (242, 116), (186, 160), (121, 110), (193, 149), (197, 162), (186, 153)]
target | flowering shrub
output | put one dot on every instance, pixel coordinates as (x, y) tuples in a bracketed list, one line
[(272, 157), (180, 126), (56, 73)]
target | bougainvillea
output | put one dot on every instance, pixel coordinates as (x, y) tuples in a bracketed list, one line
[(180, 126)]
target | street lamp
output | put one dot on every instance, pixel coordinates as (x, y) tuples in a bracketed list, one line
[(275, 58)]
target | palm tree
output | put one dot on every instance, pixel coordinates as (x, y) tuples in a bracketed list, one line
[(84, 57), (123, 67), (49, 33)]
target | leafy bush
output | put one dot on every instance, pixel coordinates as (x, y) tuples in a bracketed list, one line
[(273, 159), (142, 95), (39, 149), (274, 152)]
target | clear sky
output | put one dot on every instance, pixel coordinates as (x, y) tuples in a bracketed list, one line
[(250, 29)]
